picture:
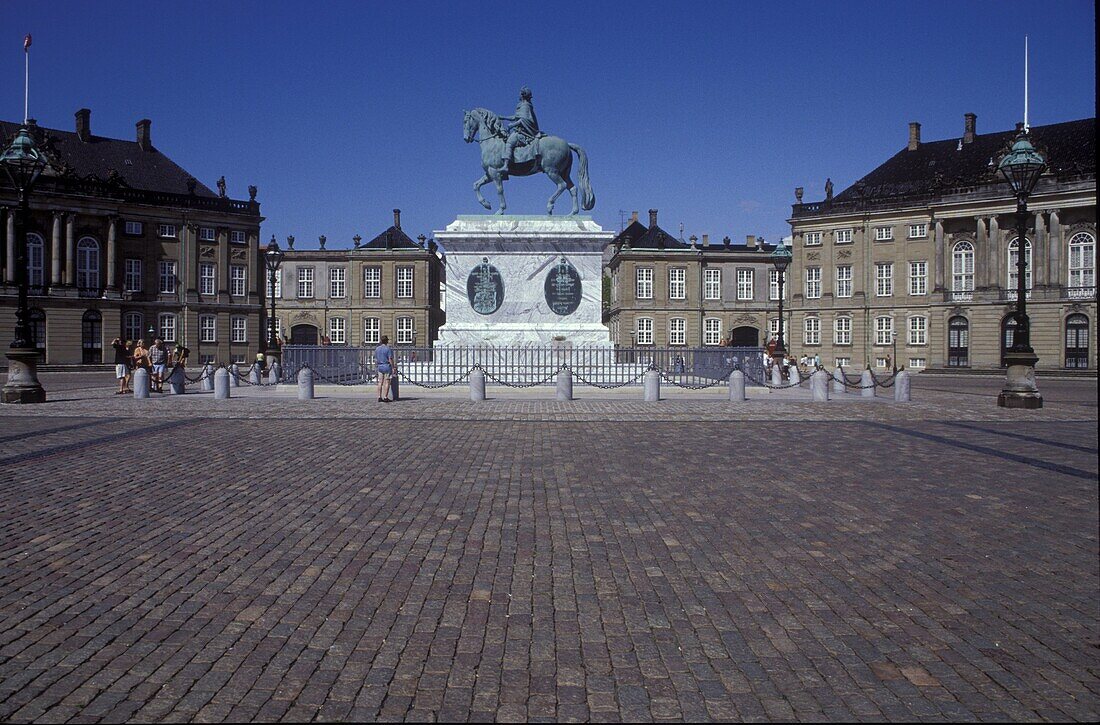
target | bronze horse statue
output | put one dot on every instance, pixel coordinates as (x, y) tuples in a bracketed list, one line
[(553, 157)]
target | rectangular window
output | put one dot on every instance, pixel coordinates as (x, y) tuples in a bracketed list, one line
[(372, 330), (208, 328), (813, 283), (773, 284), (131, 325), (811, 331), (207, 234), (843, 362), (916, 362), (238, 327), (404, 282), (918, 278), (643, 283), (337, 331), (404, 331), (677, 331), (238, 236), (337, 287), (207, 276), (237, 280), (712, 331), (132, 276), (166, 270), (372, 282), (168, 231), (918, 231), (744, 284), (677, 283), (842, 331), (880, 362), (813, 239), (884, 330), (643, 327), (918, 330), (712, 284), (773, 327), (134, 229), (240, 359), (843, 236), (844, 280), (884, 234), (884, 279), (207, 358), (278, 284), (305, 283)]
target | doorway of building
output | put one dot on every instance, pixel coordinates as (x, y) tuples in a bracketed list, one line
[(745, 337), (303, 335), (1077, 341), (958, 342), (91, 338)]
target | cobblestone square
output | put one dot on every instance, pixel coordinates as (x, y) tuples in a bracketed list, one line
[(269, 559)]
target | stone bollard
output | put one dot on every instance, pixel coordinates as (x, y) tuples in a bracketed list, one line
[(866, 382), (901, 387), (221, 384), (395, 387), (254, 375), (564, 389), (274, 373), (737, 386), (177, 381), (819, 386), (141, 383), (208, 377), (794, 375), (477, 385), (305, 384), (234, 376), (651, 385), (838, 380), (777, 376)]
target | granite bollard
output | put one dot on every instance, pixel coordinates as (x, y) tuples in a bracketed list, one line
[(794, 375), (819, 386), (838, 380), (234, 376), (902, 392), (395, 387), (867, 384), (737, 386), (651, 385), (274, 373), (254, 376), (177, 381), (208, 377), (141, 383), (477, 385), (305, 384), (564, 388), (777, 375), (221, 384)]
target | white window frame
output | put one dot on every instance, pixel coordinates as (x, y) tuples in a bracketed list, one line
[(884, 234), (813, 283), (131, 275), (712, 331), (1082, 263), (87, 264), (844, 280), (918, 231), (238, 280), (372, 330), (643, 331), (1029, 272), (918, 278), (166, 326), (238, 329), (405, 330), (918, 363), (166, 276), (337, 283), (842, 236), (133, 229), (811, 331), (677, 332), (643, 283), (712, 283), (918, 330), (167, 231), (812, 239), (842, 330), (744, 284), (773, 284), (884, 279), (338, 330), (238, 236), (208, 328), (962, 267), (372, 282), (133, 324), (208, 234), (404, 282), (884, 330), (305, 283), (677, 283), (36, 260), (278, 284), (843, 362), (208, 278)]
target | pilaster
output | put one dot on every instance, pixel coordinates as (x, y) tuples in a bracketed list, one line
[(55, 249), (9, 264), (70, 249), (112, 251)]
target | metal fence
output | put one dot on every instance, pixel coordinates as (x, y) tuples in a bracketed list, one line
[(528, 366)]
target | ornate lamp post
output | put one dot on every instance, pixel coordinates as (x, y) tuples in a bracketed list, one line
[(23, 162), (780, 259), (894, 341), (273, 259), (1022, 166)]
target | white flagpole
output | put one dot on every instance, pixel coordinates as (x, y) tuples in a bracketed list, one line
[(1026, 127), (26, 82)]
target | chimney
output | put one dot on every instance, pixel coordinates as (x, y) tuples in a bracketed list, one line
[(144, 138), (914, 135), (633, 217), (750, 241), (652, 218), (397, 218), (84, 124), (970, 127), (706, 240)]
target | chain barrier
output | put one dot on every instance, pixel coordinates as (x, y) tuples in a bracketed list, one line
[(781, 386), (611, 386), (693, 386), (507, 384), (437, 386), (875, 382)]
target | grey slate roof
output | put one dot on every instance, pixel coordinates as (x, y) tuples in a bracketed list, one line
[(398, 240)]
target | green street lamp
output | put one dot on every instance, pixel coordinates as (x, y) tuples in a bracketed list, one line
[(780, 259), (23, 163), (1021, 166), (273, 259)]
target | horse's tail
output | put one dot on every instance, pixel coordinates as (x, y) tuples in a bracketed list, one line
[(588, 199)]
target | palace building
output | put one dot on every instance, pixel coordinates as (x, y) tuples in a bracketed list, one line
[(123, 242), (920, 254)]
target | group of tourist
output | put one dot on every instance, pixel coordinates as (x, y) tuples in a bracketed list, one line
[(156, 359)]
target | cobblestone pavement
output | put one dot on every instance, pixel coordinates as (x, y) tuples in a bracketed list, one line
[(184, 559)]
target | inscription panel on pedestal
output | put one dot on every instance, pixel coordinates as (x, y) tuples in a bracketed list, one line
[(485, 288), (563, 288)]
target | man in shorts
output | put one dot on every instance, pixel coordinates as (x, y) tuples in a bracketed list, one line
[(383, 359), (122, 364), (158, 358)]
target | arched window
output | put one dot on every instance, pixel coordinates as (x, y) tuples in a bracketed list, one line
[(132, 323), (1077, 341), (962, 269), (38, 330), (958, 342), (91, 338), (1013, 252), (87, 265), (1008, 336), (1082, 265), (35, 261)]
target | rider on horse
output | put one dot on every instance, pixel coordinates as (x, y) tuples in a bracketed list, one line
[(524, 129)]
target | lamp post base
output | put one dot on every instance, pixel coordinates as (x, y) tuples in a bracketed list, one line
[(23, 385), (1020, 390)]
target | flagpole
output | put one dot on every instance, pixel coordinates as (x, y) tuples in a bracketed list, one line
[(26, 82), (1026, 127)]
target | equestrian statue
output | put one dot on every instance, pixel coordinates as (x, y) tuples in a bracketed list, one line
[(523, 150)]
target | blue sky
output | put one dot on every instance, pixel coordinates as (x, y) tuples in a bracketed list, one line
[(711, 112)]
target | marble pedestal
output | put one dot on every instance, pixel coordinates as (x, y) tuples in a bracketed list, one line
[(1020, 389), (23, 385), (509, 284)]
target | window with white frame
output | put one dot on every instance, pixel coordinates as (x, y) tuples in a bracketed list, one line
[(843, 362), (237, 280), (811, 331), (917, 362), (305, 283), (278, 283), (207, 276), (844, 280), (918, 231), (239, 359), (918, 330), (884, 279), (1013, 255), (843, 236), (677, 331), (133, 229), (813, 239), (131, 277), (166, 324), (712, 283), (643, 283), (744, 284), (962, 267), (372, 330), (238, 329), (166, 276), (337, 285), (278, 327), (36, 260), (842, 330), (207, 358), (773, 284), (884, 330), (881, 362), (813, 283), (712, 331), (1082, 261), (372, 282), (884, 234), (132, 323), (404, 282), (677, 283), (337, 331), (207, 234), (208, 326), (918, 278), (773, 327), (643, 331), (168, 231), (238, 236), (404, 330), (87, 264)]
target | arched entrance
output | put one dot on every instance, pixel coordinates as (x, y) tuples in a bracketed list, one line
[(91, 338), (1008, 336), (1077, 341), (745, 337), (958, 342), (303, 335)]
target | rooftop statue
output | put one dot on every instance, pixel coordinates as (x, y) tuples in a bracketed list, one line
[(521, 149)]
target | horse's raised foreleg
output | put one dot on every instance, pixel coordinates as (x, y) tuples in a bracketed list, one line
[(477, 190), (562, 186)]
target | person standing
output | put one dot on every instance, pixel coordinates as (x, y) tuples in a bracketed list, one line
[(158, 358), (141, 355), (122, 365), (383, 359)]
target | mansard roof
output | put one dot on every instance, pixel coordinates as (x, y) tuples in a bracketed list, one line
[(657, 238), (397, 240)]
